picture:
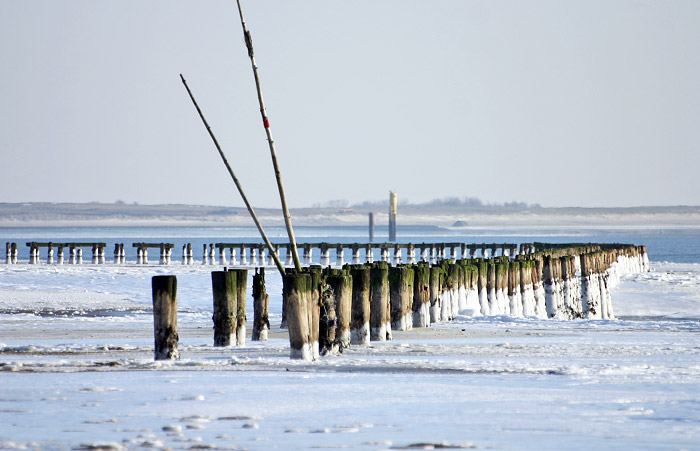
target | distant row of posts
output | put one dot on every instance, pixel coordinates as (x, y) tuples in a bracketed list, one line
[(255, 254)]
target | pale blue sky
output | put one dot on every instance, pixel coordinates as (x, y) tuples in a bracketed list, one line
[(562, 103)]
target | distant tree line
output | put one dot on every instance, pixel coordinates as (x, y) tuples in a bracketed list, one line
[(454, 201)]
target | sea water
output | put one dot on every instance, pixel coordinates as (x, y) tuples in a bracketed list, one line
[(503, 382)]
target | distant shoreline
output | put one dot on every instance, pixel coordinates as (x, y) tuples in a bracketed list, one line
[(672, 220)]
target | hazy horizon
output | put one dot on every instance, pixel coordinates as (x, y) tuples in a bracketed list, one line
[(375, 205), (562, 104)]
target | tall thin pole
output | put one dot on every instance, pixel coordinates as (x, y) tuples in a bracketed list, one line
[(266, 124), (274, 255)]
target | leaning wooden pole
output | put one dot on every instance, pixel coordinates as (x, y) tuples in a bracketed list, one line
[(273, 154), (273, 253)]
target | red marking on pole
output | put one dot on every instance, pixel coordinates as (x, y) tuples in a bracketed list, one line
[(266, 123)]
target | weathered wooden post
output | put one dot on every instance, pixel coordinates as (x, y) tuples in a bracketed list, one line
[(316, 299), (162, 260), (538, 286), (571, 290), (355, 254), (33, 254), (307, 254), (435, 286), (401, 297), (424, 257), (224, 287), (296, 291), (79, 256), (463, 289), (241, 285), (421, 295), (14, 253), (605, 285), (184, 254), (482, 269), (61, 255), (527, 290), (101, 254), (49, 254), (515, 298), (328, 321), (117, 254), (325, 254), (165, 317), (502, 286), (397, 254), (441, 252), (233, 259), (590, 289), (359, 325), (261, 302), (95, 255), (190, 254), (411, 251), (289, 261), (263, 255), (205, 254), (453, 277), (379, 302), (8, 252), (473, 300), (339, 261), (254, 256), (491, 288), (340, 282), (446, 292), (168, 255), (369, 254), (552, 285), (384, 254)]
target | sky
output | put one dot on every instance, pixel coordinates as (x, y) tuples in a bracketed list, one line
[(561, 103)]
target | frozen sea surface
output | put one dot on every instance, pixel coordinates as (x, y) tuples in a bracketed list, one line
[(77, 372)]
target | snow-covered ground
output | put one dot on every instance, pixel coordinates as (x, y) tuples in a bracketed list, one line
[(77, 371)]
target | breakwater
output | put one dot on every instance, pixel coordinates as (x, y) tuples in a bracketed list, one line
[(327, 309), (548, 281), (344, 296), (256, 254)]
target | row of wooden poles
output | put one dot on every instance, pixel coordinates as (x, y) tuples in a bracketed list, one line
[(255, 254), (229, 288), (326, 310)]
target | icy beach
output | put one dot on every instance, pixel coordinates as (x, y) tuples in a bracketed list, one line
[(77, 372)]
